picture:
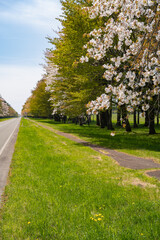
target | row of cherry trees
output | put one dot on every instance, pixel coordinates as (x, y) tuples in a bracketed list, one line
[(106, 57), (128, 45), (6, 110)]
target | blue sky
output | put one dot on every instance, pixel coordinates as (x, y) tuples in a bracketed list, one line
[(24, 26)]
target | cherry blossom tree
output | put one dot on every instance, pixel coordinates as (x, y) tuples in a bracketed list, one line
[(127, 46), (4, 108)]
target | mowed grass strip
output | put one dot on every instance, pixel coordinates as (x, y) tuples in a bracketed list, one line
[(59, 189), (138, 142)]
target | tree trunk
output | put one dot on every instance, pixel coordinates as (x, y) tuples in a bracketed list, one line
[(81, 121), (158, 117), (109, 119), (151, 120), (158, 109), (75, 120), (134, 119), (97, 120), (102, 119), (138, 117), (88, 120), (146, 119), (118, 117), (125, 119)]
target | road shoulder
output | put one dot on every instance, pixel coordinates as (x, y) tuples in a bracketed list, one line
[(5, 160)]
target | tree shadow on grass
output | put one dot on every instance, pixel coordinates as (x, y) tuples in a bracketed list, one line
[(135, 140)]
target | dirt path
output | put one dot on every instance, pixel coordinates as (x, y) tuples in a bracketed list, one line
[(123, 159)]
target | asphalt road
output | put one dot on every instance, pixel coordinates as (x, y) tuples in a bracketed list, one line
[(8, 135)]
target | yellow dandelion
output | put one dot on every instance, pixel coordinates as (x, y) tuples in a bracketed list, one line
[(29, 222), (142, 234), (99, 219)]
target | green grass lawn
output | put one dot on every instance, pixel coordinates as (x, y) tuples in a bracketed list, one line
[(138, 142), (61, 190)]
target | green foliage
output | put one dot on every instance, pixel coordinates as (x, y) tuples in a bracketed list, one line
[(38, 105), (12, 112), (78, 82)]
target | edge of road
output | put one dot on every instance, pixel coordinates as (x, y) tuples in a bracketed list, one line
[(8, 139), (6, 154)]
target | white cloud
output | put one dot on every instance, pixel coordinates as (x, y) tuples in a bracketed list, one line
[(38, 13), (16, 83)]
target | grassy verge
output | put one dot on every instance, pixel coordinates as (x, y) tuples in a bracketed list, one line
[(62, 190), (138, 142)]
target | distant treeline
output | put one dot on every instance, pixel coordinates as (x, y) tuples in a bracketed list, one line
[(6, 110)]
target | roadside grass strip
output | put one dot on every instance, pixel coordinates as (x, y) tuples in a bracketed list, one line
[(59, 189), (138, 142)]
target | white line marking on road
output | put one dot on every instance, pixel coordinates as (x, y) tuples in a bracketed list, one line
[(8, 140)]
